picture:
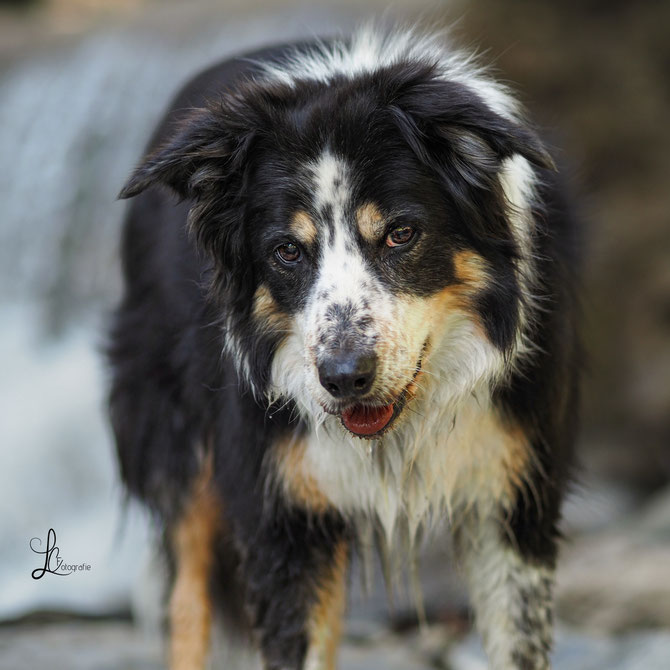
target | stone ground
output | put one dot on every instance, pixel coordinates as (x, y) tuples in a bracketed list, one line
[(613, 604), (118, 645)]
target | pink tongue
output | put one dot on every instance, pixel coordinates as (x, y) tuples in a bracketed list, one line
[(367, 420)]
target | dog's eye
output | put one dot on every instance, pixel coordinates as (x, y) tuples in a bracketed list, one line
[(288, 253), (399, 236)]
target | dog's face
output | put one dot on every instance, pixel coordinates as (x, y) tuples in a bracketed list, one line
[(352, 274), (359, 234)]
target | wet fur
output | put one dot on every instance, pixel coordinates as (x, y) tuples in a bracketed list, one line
[(215, 346)]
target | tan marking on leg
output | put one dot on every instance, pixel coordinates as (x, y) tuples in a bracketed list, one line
[(298, 483), (517, 458), (495, 463), (325, 622), (266, 311), (190, 607), (370, 222), (303, 227)]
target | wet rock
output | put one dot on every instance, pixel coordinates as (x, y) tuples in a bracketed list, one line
[(643, 651), (115, 645), (79, 646), (619, 579)]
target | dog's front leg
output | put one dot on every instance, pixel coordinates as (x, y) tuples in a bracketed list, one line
[(511, 593), (295, 572), (192, 546)]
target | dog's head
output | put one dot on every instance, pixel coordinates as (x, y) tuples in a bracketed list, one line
[(368, 235)]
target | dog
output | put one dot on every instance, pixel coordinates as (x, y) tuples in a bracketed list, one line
[(349, 306)]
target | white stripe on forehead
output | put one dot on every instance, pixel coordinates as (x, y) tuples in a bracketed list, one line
[(331, 182), (342, 269)]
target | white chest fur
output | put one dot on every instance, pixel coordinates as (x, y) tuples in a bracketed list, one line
[(433, 464)]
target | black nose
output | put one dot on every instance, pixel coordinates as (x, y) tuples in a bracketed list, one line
[(348, 374)]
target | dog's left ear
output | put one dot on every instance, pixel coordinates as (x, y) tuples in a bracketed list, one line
[(447, 123), (200, 149)]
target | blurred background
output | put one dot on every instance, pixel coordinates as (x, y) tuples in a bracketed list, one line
[(81, 84)]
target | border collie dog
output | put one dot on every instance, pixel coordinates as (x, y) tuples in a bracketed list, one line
[(356, 318)]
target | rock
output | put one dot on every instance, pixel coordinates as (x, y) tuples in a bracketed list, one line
[(574, 651), (118, 645), (390, 656), (619, 579), (79, 646)]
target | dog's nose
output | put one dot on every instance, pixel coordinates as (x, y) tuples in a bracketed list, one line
[(348, 374)]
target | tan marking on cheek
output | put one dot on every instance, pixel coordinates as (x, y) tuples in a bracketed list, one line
[(190, 607), (298, 482), (303, 227), (325, 621), (472, 273), (416, 320), (471, 270), (447, 305), (448, 299), (414, 386), (401, 335), (370, 222), (266, 311)]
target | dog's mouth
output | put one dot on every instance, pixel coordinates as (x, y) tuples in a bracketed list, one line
[(366, 421), (372, 421)]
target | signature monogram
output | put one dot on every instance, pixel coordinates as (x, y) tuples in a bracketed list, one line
[(53, 563)]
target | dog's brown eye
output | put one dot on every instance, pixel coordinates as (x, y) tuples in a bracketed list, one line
[(399, 236), (288, 252)]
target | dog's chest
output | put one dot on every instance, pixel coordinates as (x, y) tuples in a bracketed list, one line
[(433, 464)]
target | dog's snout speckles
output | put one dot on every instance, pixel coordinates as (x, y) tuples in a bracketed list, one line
[(345, 325), (339, 313)]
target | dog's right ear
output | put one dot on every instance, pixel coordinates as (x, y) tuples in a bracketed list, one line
[(201, 145)]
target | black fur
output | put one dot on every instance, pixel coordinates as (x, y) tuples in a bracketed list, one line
[(544, 395), (192, 268)]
